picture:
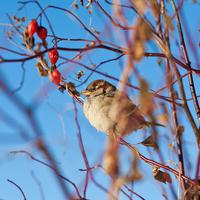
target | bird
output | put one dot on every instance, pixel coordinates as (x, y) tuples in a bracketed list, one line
[(110, 110)]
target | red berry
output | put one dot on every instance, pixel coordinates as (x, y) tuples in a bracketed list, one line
[(32, 27), (56, 76), (53, 56), (42, 32)]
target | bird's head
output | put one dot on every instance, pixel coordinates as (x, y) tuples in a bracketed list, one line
[(98, 87)]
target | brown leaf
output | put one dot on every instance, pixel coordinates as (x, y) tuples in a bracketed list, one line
[(181, 130), (155, 8), (140, 5), (42, 71), (134, 174), (75, 5), (168, 21), (138, 50), (171, 146), (161, 176), (143, 31), (146, 98), (117, 11), (71, 89), (111, 159), (163, 118), (150, 142), (115, 188), (141, 34), (79, 74), (90, 11)]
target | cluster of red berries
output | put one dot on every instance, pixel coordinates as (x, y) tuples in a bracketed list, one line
[(53, 54), (33, 28)]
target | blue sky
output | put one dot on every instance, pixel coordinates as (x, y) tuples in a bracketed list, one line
[(55, 113)]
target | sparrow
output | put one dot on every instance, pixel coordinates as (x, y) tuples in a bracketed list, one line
[(110, 110)]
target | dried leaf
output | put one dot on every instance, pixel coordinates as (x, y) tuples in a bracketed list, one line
[(71, 89), (192, 192), (75, 5), (111, 159), (168, 21), (155, 8), (42, 71), (140, 5), (171, 146), (150, 142), (118, 12), (143, 31), (134, 173), (146, 98), (138, 50), (29, 42), (141, 34), (90, 11), (163, 118), (79, 74), (181, 130), (116, 186), (161, 176)]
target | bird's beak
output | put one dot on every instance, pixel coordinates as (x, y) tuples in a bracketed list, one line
[(86, 92)]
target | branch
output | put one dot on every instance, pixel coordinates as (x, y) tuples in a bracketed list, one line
[(186, 57), (154, 163)]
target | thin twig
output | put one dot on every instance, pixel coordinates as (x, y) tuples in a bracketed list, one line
[(17, 186), (80, 140), (49, 166), (38, 184)]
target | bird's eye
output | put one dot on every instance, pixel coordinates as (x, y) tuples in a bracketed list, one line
[(93, 88)]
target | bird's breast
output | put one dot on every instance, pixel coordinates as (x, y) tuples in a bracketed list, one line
[(96, 110)]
